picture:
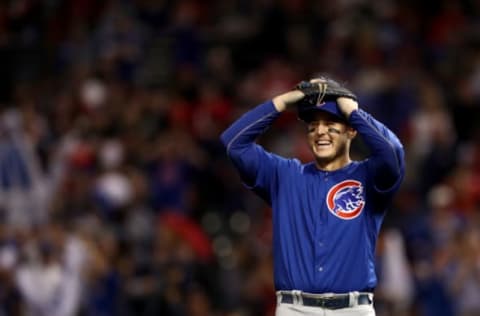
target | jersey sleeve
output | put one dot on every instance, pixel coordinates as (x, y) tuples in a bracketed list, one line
[(387, 161), (256, 166)]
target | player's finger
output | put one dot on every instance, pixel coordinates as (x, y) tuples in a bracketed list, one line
[(317, 80)]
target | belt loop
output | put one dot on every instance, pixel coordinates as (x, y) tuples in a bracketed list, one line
[(300, 297), (279, 298), (353, 299), (370, 296), (295, 297)]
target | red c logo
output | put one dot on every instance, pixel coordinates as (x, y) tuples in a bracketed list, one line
[(345, 199)]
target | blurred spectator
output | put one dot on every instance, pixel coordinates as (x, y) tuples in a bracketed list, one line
[(51, 276), (395, 289), (463, 271), (10, 301), (432, 136), (24, 188)]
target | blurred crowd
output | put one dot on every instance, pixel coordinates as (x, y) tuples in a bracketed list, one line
[(116, 196)]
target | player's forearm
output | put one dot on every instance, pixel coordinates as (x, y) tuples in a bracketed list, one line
[(244, 131), (287, 100)]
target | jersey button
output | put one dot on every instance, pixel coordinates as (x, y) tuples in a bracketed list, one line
[(320, 269), (320, 244)]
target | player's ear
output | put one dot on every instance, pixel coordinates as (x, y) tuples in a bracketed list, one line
[(351, 133)]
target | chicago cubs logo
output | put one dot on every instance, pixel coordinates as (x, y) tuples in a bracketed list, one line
[(345, 199)]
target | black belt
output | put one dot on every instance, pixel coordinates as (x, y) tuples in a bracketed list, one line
[(335, 301)]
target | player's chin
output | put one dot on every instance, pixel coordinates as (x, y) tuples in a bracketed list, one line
[(324, 155)]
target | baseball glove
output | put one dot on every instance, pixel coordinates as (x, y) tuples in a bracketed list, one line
[(322, 89)]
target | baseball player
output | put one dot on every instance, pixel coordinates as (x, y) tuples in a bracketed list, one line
[(327, 213)]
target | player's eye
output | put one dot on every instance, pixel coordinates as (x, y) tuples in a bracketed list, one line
[(333, 130), (312, 127)]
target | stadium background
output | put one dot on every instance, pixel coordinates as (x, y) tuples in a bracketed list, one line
[(116, 197)]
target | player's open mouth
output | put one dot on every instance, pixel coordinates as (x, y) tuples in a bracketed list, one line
[(323, 143)]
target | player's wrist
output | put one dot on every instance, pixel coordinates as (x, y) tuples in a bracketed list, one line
[(286, 100), (279, 104)]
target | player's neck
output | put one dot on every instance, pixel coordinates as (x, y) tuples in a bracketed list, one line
[(334, 164)]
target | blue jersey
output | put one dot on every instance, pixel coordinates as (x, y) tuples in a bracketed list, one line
[(325, 223)]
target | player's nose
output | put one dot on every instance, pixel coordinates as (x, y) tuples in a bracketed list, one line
[(321, 128)]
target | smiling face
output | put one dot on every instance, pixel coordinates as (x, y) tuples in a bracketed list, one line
[(329, 139)]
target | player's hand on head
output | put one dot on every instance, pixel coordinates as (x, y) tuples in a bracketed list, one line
[(347, 105), (318, 80), (335, 91), (316, 91), (323, 89)]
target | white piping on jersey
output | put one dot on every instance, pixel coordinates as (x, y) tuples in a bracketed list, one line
[(248, 127)]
